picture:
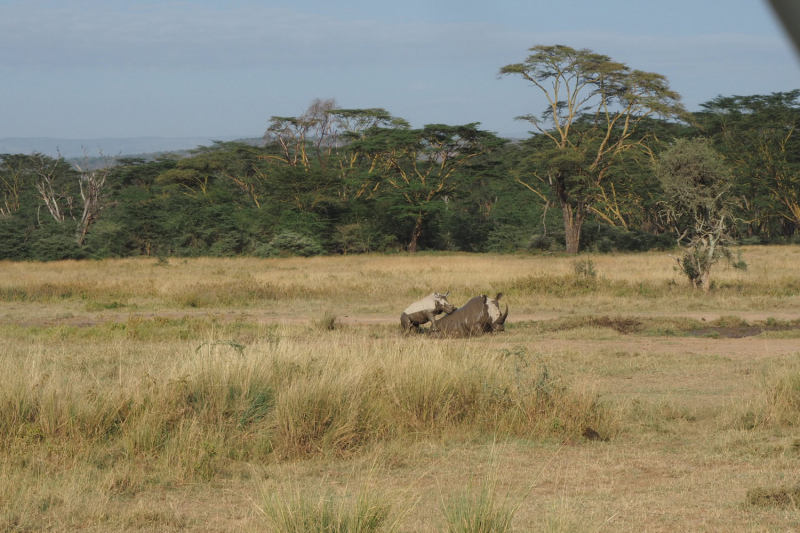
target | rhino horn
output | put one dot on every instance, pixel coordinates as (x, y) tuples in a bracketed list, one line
[(503, 316), (499, 295)]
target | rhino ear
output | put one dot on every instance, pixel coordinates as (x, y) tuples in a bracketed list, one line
[(446, 294)]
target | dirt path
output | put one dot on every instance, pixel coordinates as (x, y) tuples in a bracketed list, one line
[(735, 349), (25, 316)]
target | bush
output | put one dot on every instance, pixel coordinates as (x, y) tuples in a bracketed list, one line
[(288, 244), (605, 239), (508, 239), (361, 237), (584, 268), (13, 244), (541, 243), (56, 242), (227, 245)]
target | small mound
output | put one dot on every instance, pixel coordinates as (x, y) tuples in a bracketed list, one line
[(624, 325), (780, 497)]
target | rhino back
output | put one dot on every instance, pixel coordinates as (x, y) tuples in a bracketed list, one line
[(470, 319), (428, 303)]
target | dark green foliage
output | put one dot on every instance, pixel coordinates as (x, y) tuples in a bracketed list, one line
[(56, 242), (371, 183), (595, 109), (13, 239), (603, 238), (289, 243), (758, 136), (506, 238), (696, 185)]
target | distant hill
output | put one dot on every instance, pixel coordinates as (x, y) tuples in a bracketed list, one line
[(72, 148)]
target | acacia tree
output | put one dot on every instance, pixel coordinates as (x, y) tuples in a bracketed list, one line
[(595, 107), (697, 184), (313, 132), (300, 151), (14, 176), (760, 135), (312, 152), (421, 166), (352, 126)]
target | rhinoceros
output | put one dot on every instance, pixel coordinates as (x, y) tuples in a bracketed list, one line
[(478, 316), (425, 311), (498, 318)]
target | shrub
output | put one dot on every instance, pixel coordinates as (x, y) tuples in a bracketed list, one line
[(507, 239), (289, 243), (603, 238), (540, 242), (584, 268)]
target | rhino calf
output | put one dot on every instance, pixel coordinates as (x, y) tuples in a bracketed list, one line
[(425, 311)]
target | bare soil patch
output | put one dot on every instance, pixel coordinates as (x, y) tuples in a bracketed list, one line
[(737, 332)]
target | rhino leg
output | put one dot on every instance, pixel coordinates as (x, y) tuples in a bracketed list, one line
[(431, 316), (407, 323)]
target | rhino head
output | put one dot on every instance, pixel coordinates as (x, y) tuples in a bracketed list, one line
[(498, 317), (442, 305)]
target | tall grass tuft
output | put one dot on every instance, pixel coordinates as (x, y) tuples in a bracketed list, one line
[(782, 395), (329, 512), (479, 510), (196, 408)]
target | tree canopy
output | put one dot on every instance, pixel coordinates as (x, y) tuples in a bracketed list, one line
[(595, 107), (333, 180)]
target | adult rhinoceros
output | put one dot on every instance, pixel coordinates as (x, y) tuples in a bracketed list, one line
[(478, 316), (498, 318), (425, 311)]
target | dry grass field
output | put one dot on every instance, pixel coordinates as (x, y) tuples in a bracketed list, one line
[(280, 395)]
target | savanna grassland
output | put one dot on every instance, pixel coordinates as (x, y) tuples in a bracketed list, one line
[(280, 395)]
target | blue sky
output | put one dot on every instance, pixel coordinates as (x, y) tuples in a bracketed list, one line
[(97, 69)]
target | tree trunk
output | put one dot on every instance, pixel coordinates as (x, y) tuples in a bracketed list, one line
[(573, 216), (412, 246), (573, 222), (705, 280)]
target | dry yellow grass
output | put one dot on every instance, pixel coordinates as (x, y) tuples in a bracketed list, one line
[(137, 397), (382, 285)]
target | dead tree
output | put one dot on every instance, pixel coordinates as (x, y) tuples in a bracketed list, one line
[(49, 184), (93, 193)]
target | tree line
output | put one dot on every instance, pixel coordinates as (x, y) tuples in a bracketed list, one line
[(598, 172)]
